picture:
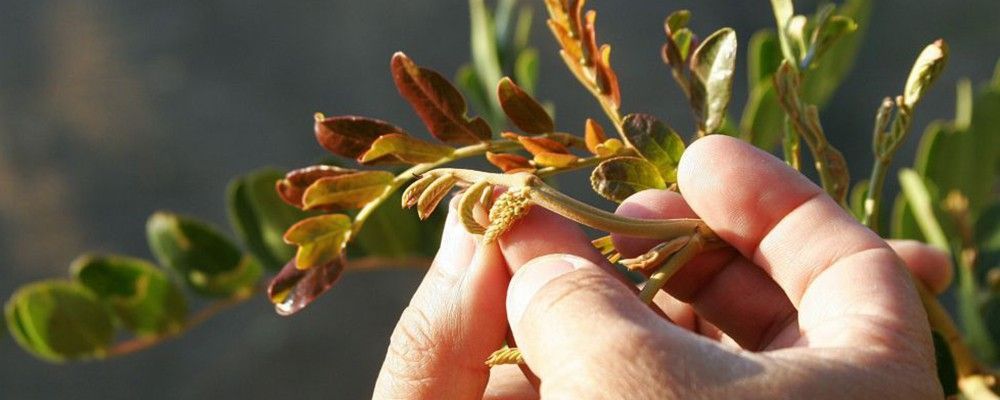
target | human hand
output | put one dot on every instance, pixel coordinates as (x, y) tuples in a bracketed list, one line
[(807, 303)]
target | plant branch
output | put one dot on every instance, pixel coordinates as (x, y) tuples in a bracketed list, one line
[(206, 313)]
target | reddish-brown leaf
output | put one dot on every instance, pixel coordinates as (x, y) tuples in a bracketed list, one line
[(293, 288), (438, 103), (350, 136), (606, 77), (523, 110), (588, 39), (295, 183), (508, 161), (538, 145), (593, 135), (396, 148), (570, 46)]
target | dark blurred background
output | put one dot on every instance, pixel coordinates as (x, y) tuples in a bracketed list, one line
[(112, 109)]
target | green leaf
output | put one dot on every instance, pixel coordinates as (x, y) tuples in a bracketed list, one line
[(469, 82), (618, 178), (438, 103), (826, 75), (783, 12), (526, 70), (763, 119), (987, 237), (58, 321), (920, 199), (928, 67), (143, 298), (523, 110), (485, 54), (321, 239), (904, 224), (207, 261), (293, 288), (260, 217), (946, 371), (393, 232), (655, 142), (677, 20), (857, 199), (712, 66), (965, 160), (396, 148), (350, 136), (345, 192), (763, 57), (826, 35)]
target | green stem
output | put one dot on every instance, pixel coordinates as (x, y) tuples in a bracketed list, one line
[(597, 218), (674, 264), (873, 198)]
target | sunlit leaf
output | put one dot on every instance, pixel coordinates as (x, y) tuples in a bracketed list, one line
[(350, 136), (557, 160), (58, 321), (438, 104), (397, 148), (295, 183), (523, 110), (345, 192), (712, 66), (207, 261), (928, 67), (260, 217), (655, 142), (321, 239), (620, 177), (143, 298), (593, 135), (433, 194), (509, 161), (293, 288), (677, 20)]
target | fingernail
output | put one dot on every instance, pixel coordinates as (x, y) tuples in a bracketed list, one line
[(532, 276)]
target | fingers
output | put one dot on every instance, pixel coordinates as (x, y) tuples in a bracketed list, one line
[(722, 287), (587, 335), (454, 321), (543, 232), (829, 266), (507, 382), (931, 266)]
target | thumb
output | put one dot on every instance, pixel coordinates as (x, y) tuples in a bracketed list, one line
[(574, 322)]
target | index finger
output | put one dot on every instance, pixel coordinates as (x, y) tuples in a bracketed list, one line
[(828, 264)]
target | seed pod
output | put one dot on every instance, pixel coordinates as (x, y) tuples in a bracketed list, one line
[(467, 205), (508, 208), (433, 195), (412, 193)]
